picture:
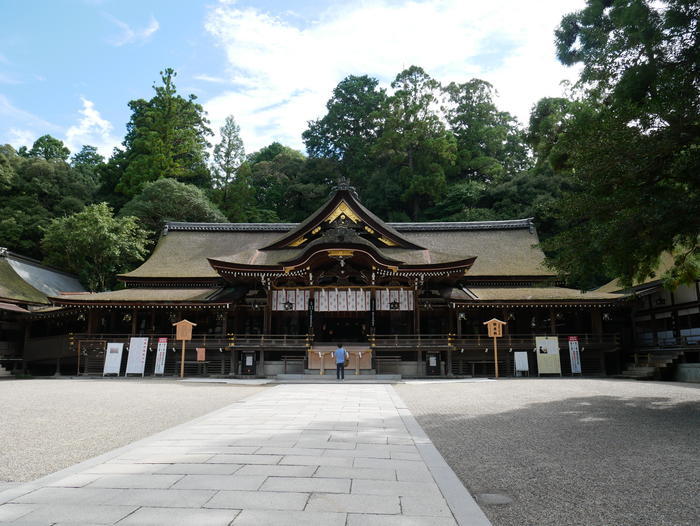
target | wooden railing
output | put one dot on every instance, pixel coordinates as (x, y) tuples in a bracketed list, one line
[(475, 342), (209, 341)]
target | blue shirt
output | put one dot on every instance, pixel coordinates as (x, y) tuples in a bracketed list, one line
[(340, 355)]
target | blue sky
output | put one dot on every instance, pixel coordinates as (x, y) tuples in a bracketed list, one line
[(70, 67)]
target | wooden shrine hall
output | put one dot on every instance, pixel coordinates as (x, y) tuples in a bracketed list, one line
[(406, 299)]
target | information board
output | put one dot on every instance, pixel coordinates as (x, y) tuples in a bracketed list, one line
[(575, 355), (138, 347), (113, 358), (521, 362), (160, 356), (547, 350)]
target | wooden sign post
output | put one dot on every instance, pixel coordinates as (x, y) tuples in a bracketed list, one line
[(495, 328), (183, 332)]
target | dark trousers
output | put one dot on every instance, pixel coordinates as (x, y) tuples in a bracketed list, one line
[(340, 371)]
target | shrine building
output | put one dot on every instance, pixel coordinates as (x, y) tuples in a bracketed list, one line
[(408, 299)]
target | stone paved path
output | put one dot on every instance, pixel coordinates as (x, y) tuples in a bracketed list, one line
[(294, 454)]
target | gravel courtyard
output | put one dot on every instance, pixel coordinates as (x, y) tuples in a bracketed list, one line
[(570, 451), (49, 425)]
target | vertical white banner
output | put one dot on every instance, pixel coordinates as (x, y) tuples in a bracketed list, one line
[(302, 301), (333, 300), (521, 362), (160, 356), (352, 300), (113, 358), (138, 347), (322, 302), (275, 293), (343, 300), (575, 355)]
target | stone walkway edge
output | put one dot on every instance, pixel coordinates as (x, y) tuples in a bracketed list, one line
[(338, 454)]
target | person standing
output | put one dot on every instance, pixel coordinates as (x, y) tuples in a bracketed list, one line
[(341, 356)]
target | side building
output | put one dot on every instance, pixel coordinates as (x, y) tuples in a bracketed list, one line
[(665, 327), (408, 298), (25, 287)]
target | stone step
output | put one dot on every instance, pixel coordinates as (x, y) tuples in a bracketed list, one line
[(4, 372), (329, 377)]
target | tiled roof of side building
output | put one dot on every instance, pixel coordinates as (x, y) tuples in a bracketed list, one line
[(25, 280)]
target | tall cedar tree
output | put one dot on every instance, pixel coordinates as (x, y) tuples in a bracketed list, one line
[(166, 137)]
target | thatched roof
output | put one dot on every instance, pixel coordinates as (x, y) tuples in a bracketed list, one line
[(502, 248), (143, 295), (498, 295)]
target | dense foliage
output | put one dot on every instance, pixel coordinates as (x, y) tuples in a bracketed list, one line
[(632, 141), (609, 174)]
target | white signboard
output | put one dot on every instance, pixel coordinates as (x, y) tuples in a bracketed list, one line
[(138, 347), (575, 355), (547, 350), (113, 358), (160, 356), (521, 363)]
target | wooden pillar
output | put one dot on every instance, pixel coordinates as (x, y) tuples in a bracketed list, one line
[(652, 317), (152, 328), (134, 322), (552, 321), (267, 314), (91, 321)]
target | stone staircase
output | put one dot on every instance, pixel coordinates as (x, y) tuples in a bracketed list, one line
[(650, 365), (4, 372)]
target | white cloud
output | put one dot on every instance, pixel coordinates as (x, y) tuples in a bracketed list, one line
[(210, 78), (130, 35), (22, 118), (281, 74), (91, 129), (17, 138)]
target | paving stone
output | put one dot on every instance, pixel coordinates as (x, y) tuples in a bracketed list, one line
[(361, 462), (11, 512), (171, 459), (385, 487), (135, 481), (171, 498), (425, 505), (114, 467), (414, 474), (200, 469), (245, 459), (367, 453), (69, 496), (258, 500), (397, 520), (345, 502), (79, 513), (290, 451), (324, 460), (288, 518), (277, 470), (220, 482), (179, 517), (355, 473), (224, 450), (324, 485), (75, 481)]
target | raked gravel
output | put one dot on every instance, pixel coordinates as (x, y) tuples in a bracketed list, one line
[(580, 452), (47, 425)]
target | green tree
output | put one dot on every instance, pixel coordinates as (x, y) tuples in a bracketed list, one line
[(490, 142), (166, 137), (49, 148), (169, 200), (633, 142), (350, 129), (414, 150), (95, 245), (229, 154)]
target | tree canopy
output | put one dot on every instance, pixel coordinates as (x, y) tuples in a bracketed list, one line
[(632, 141), (95, 245)]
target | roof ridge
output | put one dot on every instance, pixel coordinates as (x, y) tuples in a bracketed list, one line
[(504, 224)]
